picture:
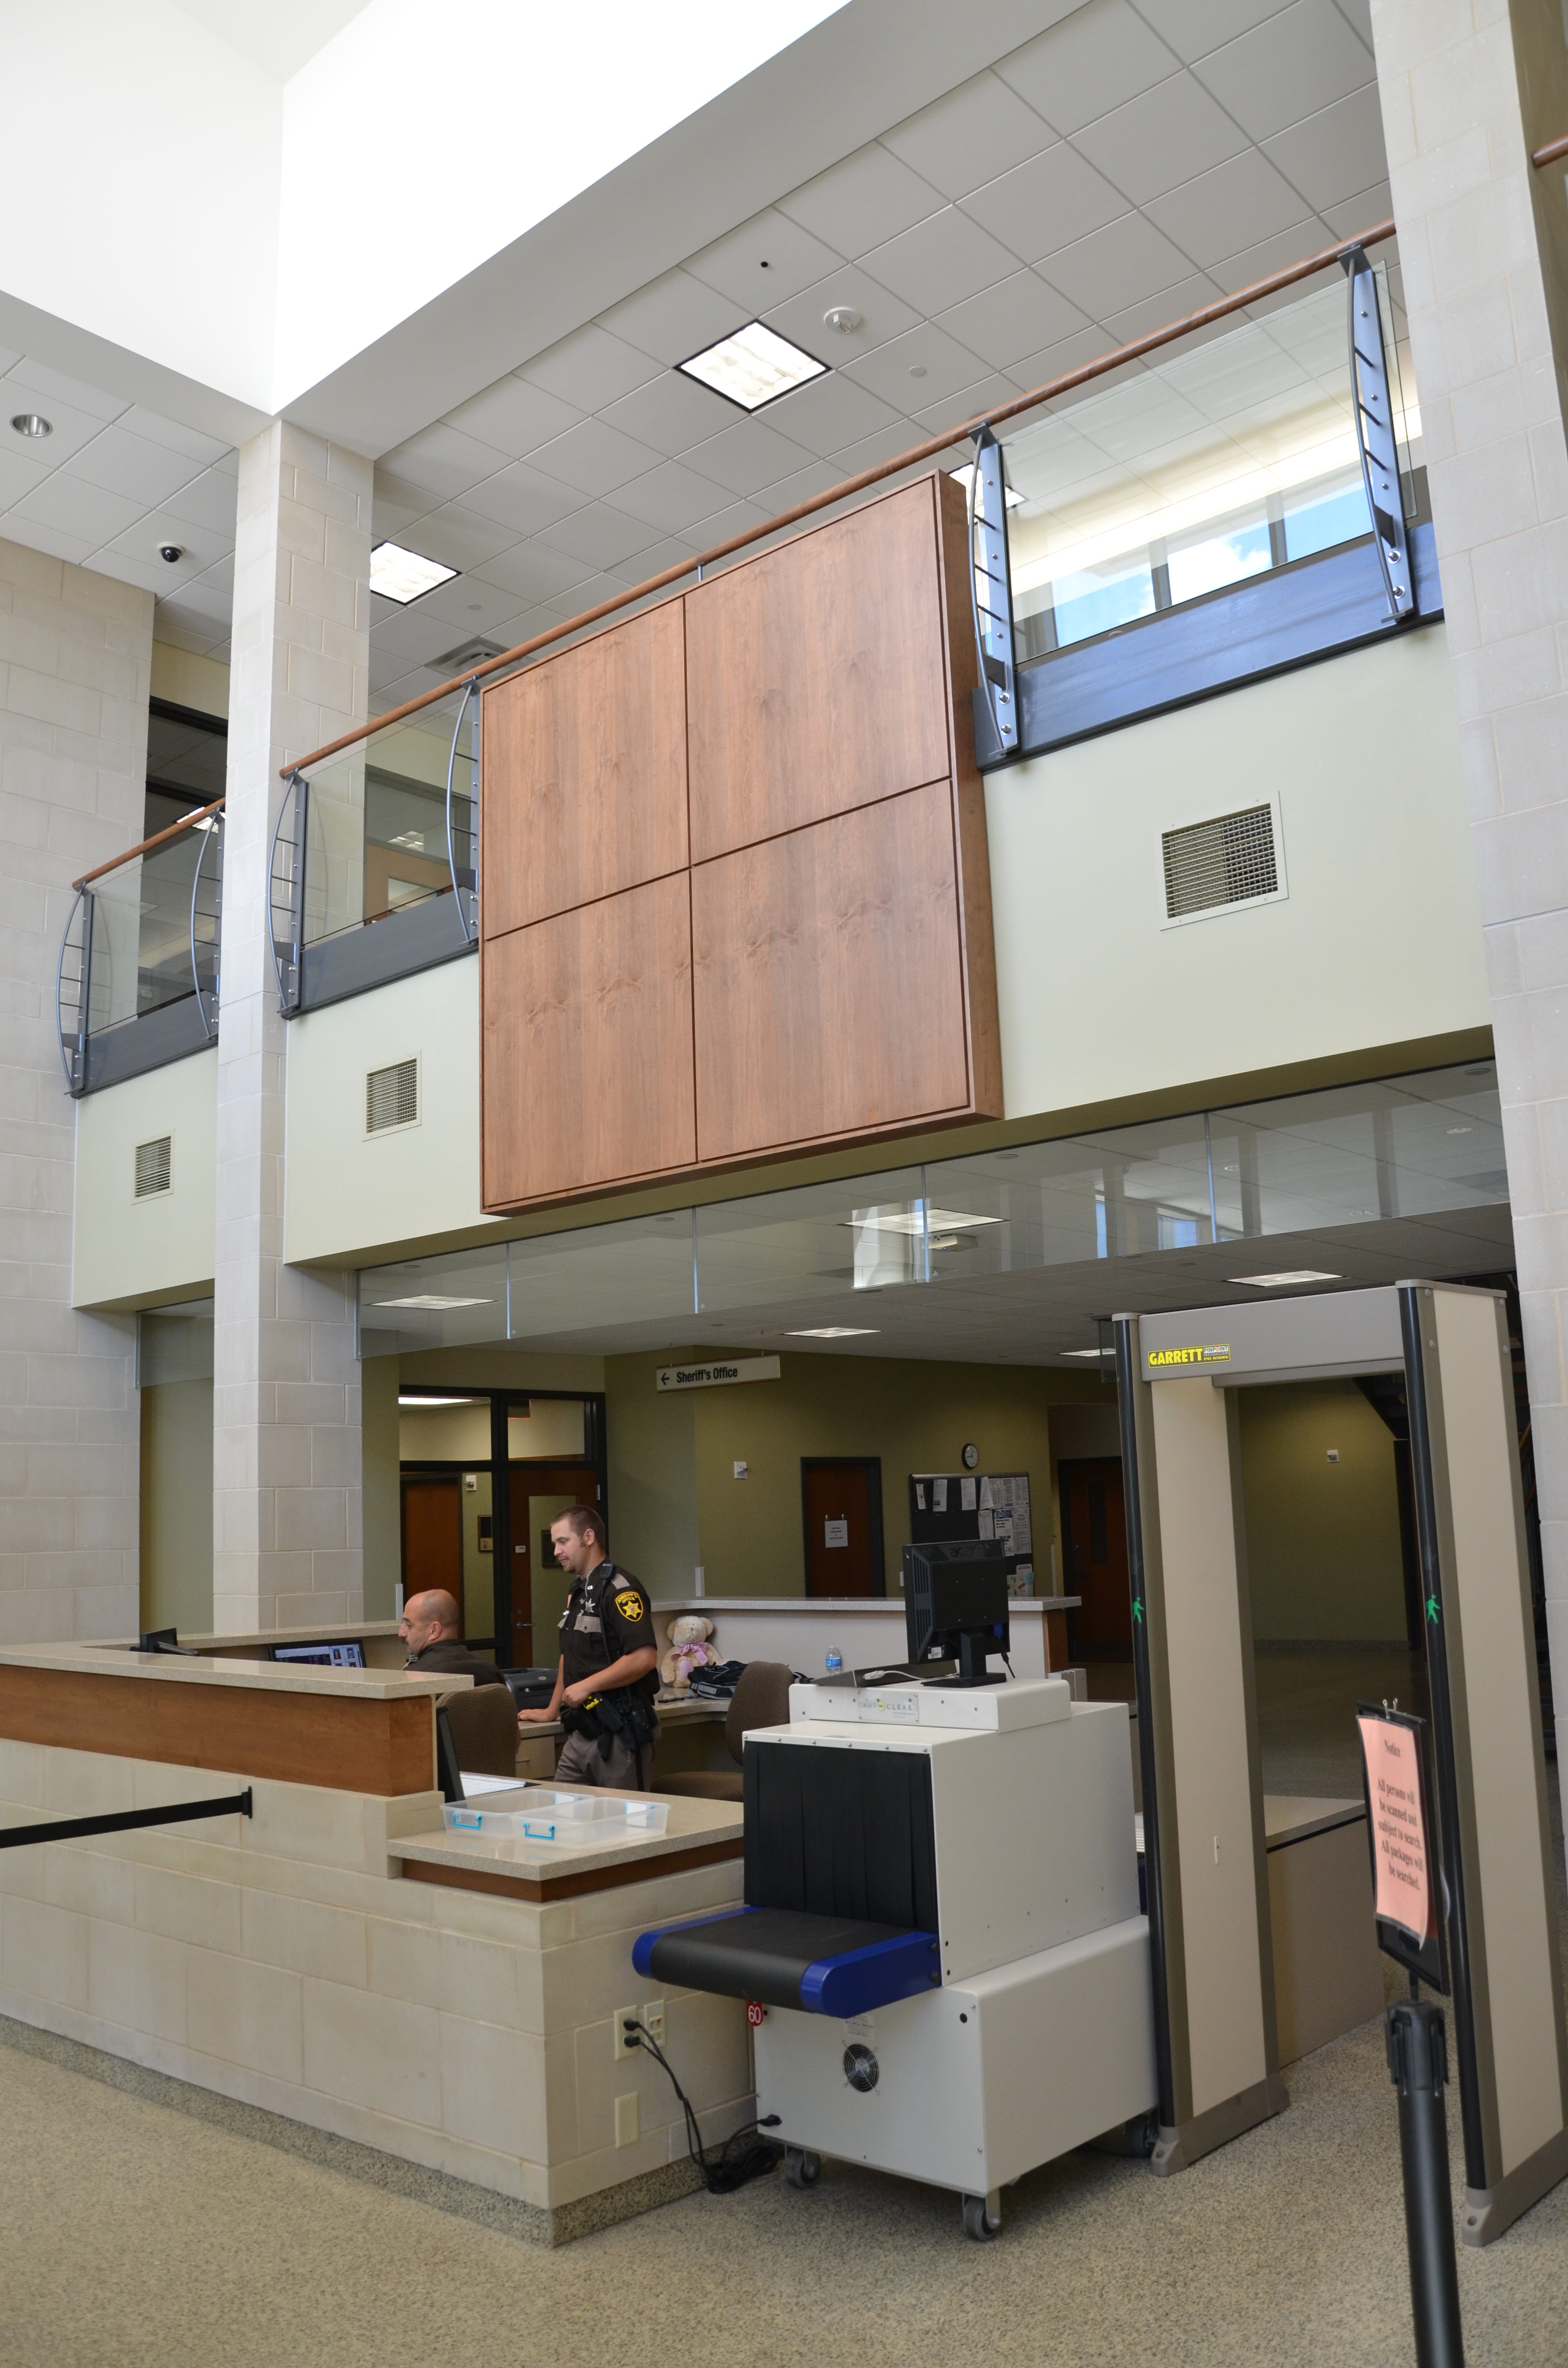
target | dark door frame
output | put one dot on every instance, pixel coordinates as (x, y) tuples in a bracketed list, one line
[(872, 1466), (1066, 1465)]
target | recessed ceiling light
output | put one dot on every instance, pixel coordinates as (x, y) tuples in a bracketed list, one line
[(961, 477), (430, 1299), (910, 1221), (1276, 1281), (405, 576), (834, 1332), (32, 423), (753, 366)]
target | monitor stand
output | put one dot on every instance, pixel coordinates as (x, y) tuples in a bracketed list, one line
[(973, 1671)]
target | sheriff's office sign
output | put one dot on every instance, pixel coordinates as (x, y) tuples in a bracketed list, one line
[(715, 1376)]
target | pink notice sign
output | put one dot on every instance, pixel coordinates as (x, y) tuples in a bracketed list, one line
[(1399, 1833)]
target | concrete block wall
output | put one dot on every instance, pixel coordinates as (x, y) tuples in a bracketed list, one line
[(75, 660), (284, 1961)]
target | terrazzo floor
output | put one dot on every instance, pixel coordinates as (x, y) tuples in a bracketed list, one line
[(135, 2234)]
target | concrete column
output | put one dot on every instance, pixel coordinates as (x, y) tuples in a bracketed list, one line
[(1469, 87), (76, 663), (286, 1452)]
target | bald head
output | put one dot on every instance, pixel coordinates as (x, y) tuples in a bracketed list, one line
[(427, 1618)]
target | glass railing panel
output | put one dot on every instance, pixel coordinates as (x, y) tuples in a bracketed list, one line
[(637, 1271), (1195, 470), (450, 1301), (376, 837), (1403, 1147), (820, 1242)]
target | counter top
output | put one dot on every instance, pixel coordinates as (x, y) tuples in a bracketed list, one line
[(253, 1676), (697, 1831), (819, 1606)]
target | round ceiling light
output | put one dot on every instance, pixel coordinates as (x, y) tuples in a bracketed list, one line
[(29, 423)]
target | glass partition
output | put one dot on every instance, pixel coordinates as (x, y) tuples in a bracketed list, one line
[(389, 823), (1212, 462)]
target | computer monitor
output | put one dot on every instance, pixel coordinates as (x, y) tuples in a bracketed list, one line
[(349, 1654), (955, 1605)]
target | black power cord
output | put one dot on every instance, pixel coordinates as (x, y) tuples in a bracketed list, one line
[(743, 2155)]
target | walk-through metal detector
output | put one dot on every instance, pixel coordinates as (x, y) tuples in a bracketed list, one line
[(1208, 1887)]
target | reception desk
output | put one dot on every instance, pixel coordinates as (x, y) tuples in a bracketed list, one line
[(867, 1630), (339, 1960)]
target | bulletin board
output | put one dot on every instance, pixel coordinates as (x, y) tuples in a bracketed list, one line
[(973, 1505)]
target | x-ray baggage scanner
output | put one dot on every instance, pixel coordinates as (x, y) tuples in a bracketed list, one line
[(942, 1944), (1207, 1878)]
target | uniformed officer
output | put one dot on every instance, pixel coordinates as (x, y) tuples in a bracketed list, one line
[(605, 1684)]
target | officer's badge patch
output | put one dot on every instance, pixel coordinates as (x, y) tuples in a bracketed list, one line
[(629, 1605)]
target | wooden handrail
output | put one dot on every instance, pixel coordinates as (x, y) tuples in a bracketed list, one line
[(186, 821), (1551, 153), (929, 450)]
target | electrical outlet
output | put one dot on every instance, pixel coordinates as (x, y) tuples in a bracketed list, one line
[(628, 2119), (624, 2038), (654, 2020)]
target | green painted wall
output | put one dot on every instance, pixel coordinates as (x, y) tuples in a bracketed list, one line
[(176, 1507), (1322, 1539), (381, 1483), (653, 1473)]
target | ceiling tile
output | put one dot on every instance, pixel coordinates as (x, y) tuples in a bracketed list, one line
[(673, 550), (871, 452), (943, 364), (589, 369), (882, 316), (675, 317), (1096, 59), (673, 497), (84, 512), (1166, 304), (1276, 253), (671, 413), (35, 536), (970, 135), (739, 517), (462, 538), (1373, 205), (600, 536), (940, 261), (765, 262), (469, 604), (592, 590), (530, 572), (513, 416), (417, 635), (1291, 67), (799, 485), (208, 500), (1116, 266), (1336, 151), (595, 458), (1046, 204), (1056, 360), (1166, 136), (862, 203), (444, 461), (523, 498), (1015, 317), (184, 629), (198, 449), (73, 428), (1358, 14), (745, 457), (129, 464), (1234, 206), (1193, 28), (969, 403), (829, 413), (199, 551), (18, 473), (91, 401), (394, 508)]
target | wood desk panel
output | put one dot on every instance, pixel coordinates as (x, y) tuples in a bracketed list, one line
[(816, 676), (587, 1041), (589, 754), (350, 1747), (828, 980)]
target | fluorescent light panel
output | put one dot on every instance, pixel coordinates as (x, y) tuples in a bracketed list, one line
[(941, 1221), (432, 1299), (1088, 1352), (834, 1332), (405, 576), (440, 1402), (1279, 1281), (753, 366)]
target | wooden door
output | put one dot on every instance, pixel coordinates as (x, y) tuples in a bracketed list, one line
[(539, 1493), (432, 1533), (1094, 1528), (841, 1500)]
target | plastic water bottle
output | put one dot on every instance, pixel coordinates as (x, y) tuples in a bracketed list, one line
[(834, 1662)]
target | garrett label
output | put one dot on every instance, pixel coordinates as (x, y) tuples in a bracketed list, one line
[(1162, 1359)]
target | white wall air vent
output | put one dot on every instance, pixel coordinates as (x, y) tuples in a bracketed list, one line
[(1233, 859), (391, 1097), (154, 1167)]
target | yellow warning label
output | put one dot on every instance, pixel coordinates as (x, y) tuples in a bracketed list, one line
[(1217, 1353)]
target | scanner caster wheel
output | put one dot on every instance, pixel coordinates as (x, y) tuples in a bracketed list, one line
[(801, 2168), (983, 2217)]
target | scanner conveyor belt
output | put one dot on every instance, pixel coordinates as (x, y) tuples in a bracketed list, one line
[(822, 1965)]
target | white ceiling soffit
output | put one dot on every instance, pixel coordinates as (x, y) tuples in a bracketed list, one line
[(808, 105), (279, 36)]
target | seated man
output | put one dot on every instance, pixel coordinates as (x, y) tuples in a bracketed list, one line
[(429, 1627), (605, 1684)]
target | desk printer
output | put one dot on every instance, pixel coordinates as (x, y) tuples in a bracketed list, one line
[(941, 1932)]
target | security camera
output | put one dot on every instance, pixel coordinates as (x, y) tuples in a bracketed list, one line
[(170, 552)]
